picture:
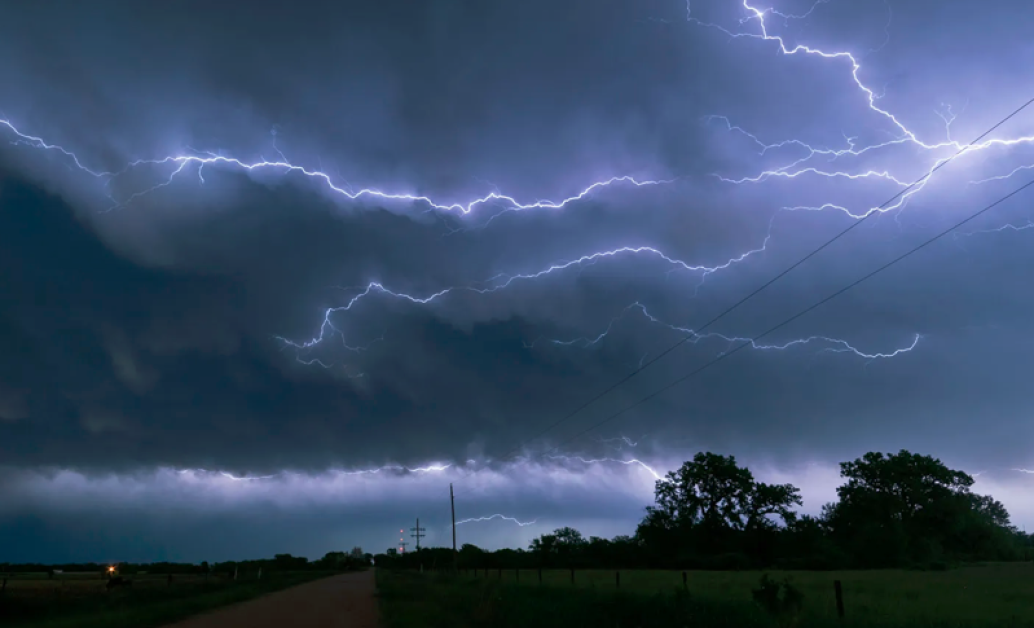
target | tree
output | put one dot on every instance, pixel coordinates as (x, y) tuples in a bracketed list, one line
[(714, 492), (709, 490), (712, 506), (765, 500), (991, 510), (905, 508), (568, 538), (332, 560), (545, 545), (903, 484), (562, 546)]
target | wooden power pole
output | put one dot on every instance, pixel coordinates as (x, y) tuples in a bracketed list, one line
[(417, 533), (455, 555)]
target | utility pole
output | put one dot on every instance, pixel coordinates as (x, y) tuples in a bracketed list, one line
[(403, 544), (455, 555), (417, 533)]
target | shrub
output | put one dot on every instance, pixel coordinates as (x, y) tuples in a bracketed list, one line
[(781, 600)]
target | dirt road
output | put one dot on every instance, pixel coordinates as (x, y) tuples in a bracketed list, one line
[(345, 601)]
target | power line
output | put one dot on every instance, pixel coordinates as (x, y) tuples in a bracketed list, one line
[(799, 314), (768, 283)]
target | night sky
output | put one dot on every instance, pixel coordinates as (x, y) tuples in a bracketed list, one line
[(271, 279)]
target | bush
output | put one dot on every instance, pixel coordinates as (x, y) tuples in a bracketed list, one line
[(781, 600)]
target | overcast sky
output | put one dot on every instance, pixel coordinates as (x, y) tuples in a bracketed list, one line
[(271, 279)]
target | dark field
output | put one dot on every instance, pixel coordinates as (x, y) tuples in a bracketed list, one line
[(82, 601), (999, 595)]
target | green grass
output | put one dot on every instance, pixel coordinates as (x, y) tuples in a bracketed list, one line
[(151, 604), (999, 595)]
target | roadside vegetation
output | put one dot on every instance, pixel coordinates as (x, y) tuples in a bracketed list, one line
[(984, 596), (146, 596), (908, 541), (896, 511)]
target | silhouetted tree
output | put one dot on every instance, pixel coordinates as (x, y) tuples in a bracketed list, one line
[(711, 506), (906, 508)]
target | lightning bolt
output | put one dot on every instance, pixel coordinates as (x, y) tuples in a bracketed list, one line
[(433, 468), (503, 517), (248, 478), (390, 468), (500, 282), (229, 476), (179, 163), (798, 167), (632, 462), (1006, 227), (836, 345), (755, 24), (624, 439)]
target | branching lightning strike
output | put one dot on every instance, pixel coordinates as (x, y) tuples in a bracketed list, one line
[(835, 345), (797, 167), (503, 517), (390, 468), (755, 23), (201, 159), (499, 282), (634, 461)]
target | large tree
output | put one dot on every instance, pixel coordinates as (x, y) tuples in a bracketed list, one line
[(906, 507), (713, 491), (710, 505), (560, 547)]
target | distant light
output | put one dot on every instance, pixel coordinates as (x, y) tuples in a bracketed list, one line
[(111, 569)]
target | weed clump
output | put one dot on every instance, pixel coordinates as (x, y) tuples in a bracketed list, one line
[(780, 600)]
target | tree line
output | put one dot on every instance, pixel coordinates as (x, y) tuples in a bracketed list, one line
[(900, 510), (331, 561)]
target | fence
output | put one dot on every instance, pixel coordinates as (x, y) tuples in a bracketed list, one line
[(593, 577)]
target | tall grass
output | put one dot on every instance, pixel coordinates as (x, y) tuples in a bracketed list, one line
[(979, 597)]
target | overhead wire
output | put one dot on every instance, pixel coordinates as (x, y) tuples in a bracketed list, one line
[(764, 286)]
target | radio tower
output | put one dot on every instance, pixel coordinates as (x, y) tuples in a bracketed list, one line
[(417, 533)]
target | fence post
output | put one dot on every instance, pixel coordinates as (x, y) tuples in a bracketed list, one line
[(3, 587), (517, 574), (685, 587), (617, 579), (168, 581), (572, 575), (840, 598), (540, 575), (500, 573)]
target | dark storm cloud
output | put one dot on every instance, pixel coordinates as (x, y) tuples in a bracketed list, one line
[(152, 336)]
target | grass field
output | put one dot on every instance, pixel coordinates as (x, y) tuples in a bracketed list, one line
[(999, 595), (82, 600)]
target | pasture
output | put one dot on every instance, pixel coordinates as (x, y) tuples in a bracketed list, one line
[(998, 595), (83, 600)]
